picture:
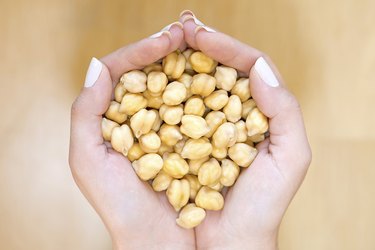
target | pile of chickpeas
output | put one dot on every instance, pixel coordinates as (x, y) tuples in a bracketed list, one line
[(188, 125)]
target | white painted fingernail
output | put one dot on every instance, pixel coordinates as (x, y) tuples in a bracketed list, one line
[(93, 72), (206, 28), (166, 28), (197, 21), (265, 72)]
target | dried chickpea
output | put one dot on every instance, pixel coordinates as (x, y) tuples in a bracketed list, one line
[(153, 67), (195, 149), (202, 63), (194, 106), (229, 172), (241, 131), (169, 134), (174, 93), (225, 135), (178, 193), (156, 82), (242, 154), (179, 145), (203, 84), (190, 216), (134, 81), (161, 181), (107, 128), (142, 122), (217, 99), (165, 149), (225, 77), (209, 173), (132, 103), (114, 114), (174, 165), (188, 68), (150, 142), (216, 186), (256, 122), (148, 166), (174, 65), (233, 109), (194, 165), (247, 106), (194, 126), (153, 101), (194, 185), (122, 139), (171, 114), (249, 142), (209, 199), (214, 119), (158, 121), (242, 89), (257, 138), (135, 152), (119, 92), (186, 79), (219, 153)]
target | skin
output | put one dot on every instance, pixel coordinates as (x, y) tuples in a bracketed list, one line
[(139, 218)]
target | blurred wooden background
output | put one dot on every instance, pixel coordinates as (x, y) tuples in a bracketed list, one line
[(324, 49)]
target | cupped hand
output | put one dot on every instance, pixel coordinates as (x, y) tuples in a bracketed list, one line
[(255, 205), (136, 216)]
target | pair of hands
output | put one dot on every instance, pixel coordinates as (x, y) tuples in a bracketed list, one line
[(139, 218)]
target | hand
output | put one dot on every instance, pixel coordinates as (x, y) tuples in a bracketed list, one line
[(255, 205), (136, 216)]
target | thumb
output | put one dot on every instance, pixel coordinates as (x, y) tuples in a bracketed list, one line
[(288, 143)]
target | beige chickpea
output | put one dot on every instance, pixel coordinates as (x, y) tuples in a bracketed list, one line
[(257, 138), (152, 67), (188, 68), (191, 216), (256, 122), (134, 81), (132, 103), (249, 142), (242, 154), (194, 126), (165, 149), (161, 181), (209, 173), (180, 145), (214, 119), (194, 165), (158, 121), (153, 101), (219, 153), (178, 193), (217, 99), (150, 142), (216, 186), (242, 89), (225, 77), (196, 148), (169, 134), (135, 152), (194, 106), (229, 172), (174, 93), (107, 128), (122, 139), (175, 165), (148, 166), (171, 114), (142, 122), (247, 106), (203, 84), (225, 135), (186, 79), (209, 199), (241, 131), (202, 63), (119, 92), (174, 65), (194, 185), (156, 82), (233, 109), (114, 114)]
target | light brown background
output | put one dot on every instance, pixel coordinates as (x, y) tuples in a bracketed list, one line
[(324, 49)]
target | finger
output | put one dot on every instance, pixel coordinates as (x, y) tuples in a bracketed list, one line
[(188, 19)]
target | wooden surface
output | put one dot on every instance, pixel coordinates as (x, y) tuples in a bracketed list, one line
[(324, 49)]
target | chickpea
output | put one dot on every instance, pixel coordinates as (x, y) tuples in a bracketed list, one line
[(171, 114), (165, 149), (119, 92), (114, 114), (217, 99), (225, 77), (219, 153), (178, 193), (153, 67), (156, 82), (186, 79), (191, 216), (247, 106), (214, 119), (225, 135), (170, 134), (188, 68), (194, 126), (242, 154), (180, 145), (107, 128), (194, 106), (203, 84), (161, 181), (209, 173), (257, 138), (194, 165), (135, 152), (194, 185), (132, 103), (122, 139), (256, 122), (209, 199), (174, 165), (241, 131), (174, 94), (242, 89), (233, 109), (202, 63), (150, 142), (196, 148), (174, 65), (134, 81), (158, 121), (229, 172), (153, 101), (142, 122), (216, 186), (148, 166)]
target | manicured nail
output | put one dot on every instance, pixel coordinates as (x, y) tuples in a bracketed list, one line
[(206, 28), (186, 12), (265, 72), (93, 72), (166, 29), (195, 20)]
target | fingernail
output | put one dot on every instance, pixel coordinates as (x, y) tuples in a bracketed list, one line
[(195, 20), (184, 12), (93, 72), (265, 72), (166, 29), (206, 28)]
